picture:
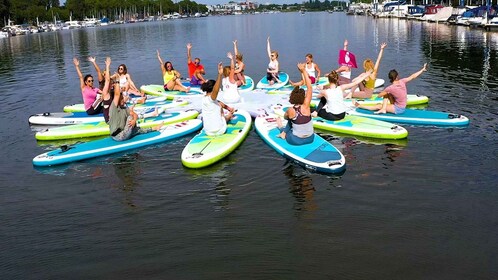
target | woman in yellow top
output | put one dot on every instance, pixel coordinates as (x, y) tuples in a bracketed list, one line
[(171, 77), (367, 88)]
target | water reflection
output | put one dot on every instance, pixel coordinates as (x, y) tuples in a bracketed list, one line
[(301, 187), (128, 170)]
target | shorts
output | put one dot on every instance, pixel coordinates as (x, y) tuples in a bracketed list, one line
[(312, 79), (166, 87), (398, 110), (194, 81)]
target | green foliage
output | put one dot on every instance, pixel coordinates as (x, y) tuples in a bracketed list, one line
[(27, 11)]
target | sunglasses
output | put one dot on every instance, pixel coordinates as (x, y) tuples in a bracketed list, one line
[(90, 81), (272, 55), (120, 68)]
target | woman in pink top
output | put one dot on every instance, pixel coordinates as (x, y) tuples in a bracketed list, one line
[(92, 97), (394, 95)]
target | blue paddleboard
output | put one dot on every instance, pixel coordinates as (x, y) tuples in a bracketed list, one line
[(418, 117), (319, 156)]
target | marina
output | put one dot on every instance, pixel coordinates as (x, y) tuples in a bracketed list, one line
[(419, 207)]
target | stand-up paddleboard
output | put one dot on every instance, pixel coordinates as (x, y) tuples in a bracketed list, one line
[(356, 125), (319, 156), (282, 76), (80, 107), (248, 86), (63, 118), (204, 150), (76, 131), (418, 117), (158, 90), (322, 81), (412, 99), (108, 146)]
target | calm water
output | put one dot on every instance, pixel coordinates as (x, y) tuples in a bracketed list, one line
[(422, 208)]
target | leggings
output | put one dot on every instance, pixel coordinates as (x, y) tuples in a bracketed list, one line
[(293, 139), (326, 115), (129, 131)]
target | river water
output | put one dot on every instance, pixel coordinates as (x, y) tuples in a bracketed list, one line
[(421, 208)]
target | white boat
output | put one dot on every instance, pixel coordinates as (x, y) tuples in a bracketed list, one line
[(430, 12), (4, 34), (491, 24), (71, 24), (90, 22)]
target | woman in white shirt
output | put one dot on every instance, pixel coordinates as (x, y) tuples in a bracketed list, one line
[(213, 117)]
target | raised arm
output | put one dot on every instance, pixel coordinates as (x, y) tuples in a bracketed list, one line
[(307, 82), (268, 47), (232, 68), (77, 65), (356, 81), (97, 68), (345, 45), (189, 56), (161, 62), (235, 50), (379, 57), (105, 90), (216, 88), (416, 74)]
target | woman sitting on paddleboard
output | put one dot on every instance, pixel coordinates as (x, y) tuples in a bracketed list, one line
[(366, 89), (344, 71), (126, 83), (312, 70), (272, 71), (299, 128), (230, 92), (239, 66), (92, 97), (333, 98), (123, 120), (395, 95), (213, 117), (171, 77)]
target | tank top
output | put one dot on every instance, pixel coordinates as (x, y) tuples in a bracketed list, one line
[(168, 76), (311, 70), (89, 95), (302, 126), (122, 81), (370, 83), (335, 101), (272, 65), (230, 92)]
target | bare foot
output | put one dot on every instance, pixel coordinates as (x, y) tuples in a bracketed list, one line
[(314, 114), (282, 135), (380, 112), (188, 89), (355, 103), (156, 112), (157, 127)]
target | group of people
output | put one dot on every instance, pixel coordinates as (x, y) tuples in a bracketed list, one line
[(299, 128), (110, 98)]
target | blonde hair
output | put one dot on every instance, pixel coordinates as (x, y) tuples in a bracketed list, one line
[(239, 57), (226, 71), (368, 64), (275, 53)]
